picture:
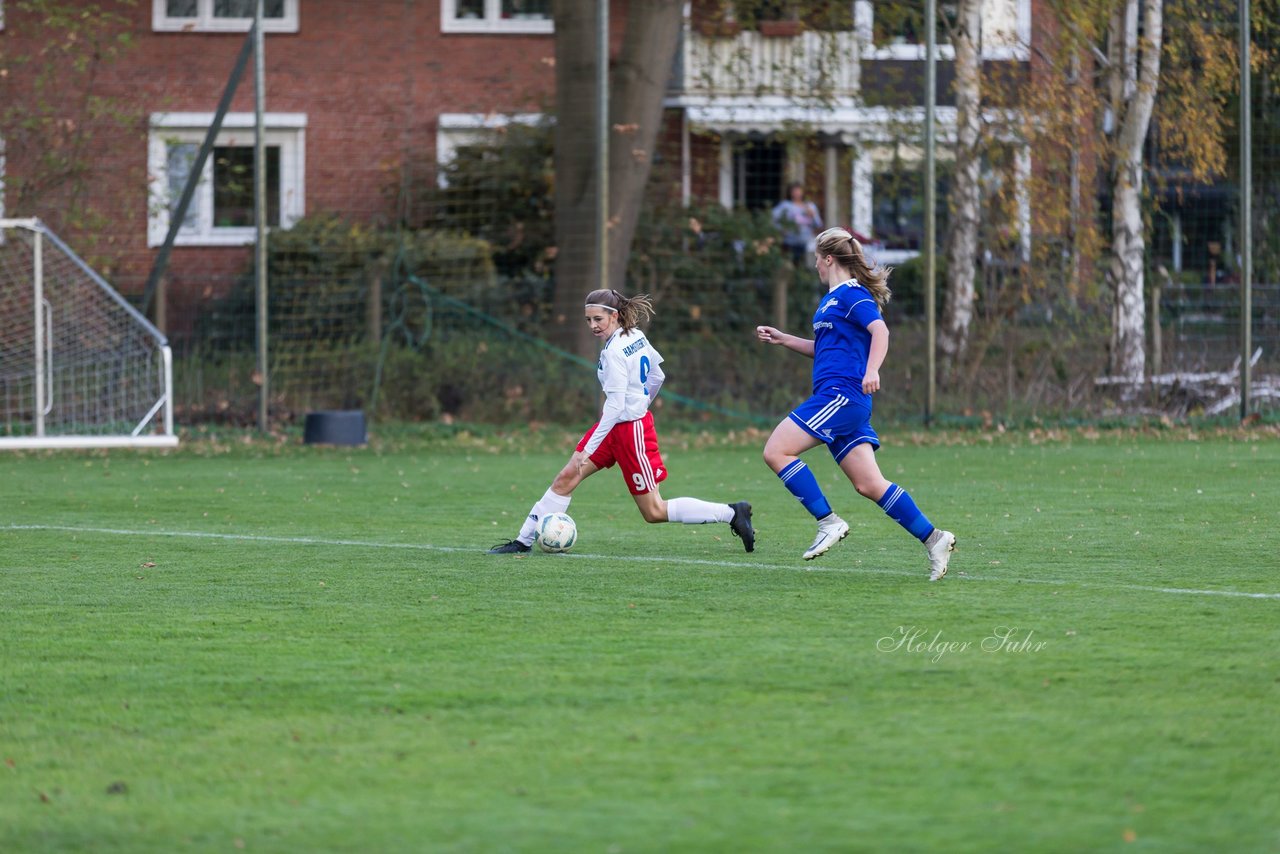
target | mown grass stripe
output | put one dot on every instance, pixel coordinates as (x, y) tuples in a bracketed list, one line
[(726, 564)]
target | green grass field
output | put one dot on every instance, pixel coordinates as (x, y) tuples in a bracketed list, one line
[(280, 648)]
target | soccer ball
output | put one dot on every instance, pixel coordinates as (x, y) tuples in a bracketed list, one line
[(556, 533)]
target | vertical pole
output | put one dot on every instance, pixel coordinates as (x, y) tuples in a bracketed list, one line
[(686, 159), (162, 306), (602, 140), (166, 357), (930, 226), (830, 181), (260, 214), (1157, 342), (1246, 213), (38, 275)]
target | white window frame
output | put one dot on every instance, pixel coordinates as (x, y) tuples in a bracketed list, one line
[(1015, 45), (284, 130), (205, 22), (876, 156), (492, 22), (872, 158), (456, 130)]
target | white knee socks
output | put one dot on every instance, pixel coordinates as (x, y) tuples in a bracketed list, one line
[(550, 502), (695, 511)]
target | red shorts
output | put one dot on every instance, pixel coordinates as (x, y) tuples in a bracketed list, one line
[(633, 445)]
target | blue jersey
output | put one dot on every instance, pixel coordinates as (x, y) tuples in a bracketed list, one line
[(840, 337)]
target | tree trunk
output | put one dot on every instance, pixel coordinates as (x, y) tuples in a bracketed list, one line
[(577, 262), (637, 86), (1135, 94), (966, 191)]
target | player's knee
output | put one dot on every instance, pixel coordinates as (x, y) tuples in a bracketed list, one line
[(654, 514), (870, 487)]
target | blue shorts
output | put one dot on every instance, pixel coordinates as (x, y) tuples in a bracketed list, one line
[(840, 419)]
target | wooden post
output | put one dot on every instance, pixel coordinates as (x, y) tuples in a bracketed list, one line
[(781, 281), (162, 305), (373, 309), (1156, 344)]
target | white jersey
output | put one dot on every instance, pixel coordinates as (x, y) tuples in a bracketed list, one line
[(629, 374)]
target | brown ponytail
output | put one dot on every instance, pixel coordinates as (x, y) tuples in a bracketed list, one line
[(847, 252), (632, 311)]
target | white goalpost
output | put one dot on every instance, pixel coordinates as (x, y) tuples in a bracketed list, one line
[(79, 366)]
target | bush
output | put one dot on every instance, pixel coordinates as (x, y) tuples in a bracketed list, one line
[(907, 284)]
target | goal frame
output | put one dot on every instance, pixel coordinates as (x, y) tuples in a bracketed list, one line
[(42, 403)]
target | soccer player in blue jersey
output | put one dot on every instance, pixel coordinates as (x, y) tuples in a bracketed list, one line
[(630, 372), (849, 345)]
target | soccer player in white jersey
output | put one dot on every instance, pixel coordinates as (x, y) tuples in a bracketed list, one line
[(630, 373), (849, 345)]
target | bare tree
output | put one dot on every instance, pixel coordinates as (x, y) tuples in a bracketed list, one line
[(966, 189), (1134, 69), (575, 178), (638, 82)]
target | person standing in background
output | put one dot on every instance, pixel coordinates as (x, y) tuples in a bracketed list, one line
[(799, 221)]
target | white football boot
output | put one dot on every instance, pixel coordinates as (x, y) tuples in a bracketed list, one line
[(831, 530), (939, 546)]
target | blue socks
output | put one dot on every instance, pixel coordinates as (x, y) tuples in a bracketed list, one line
[(797, 478), (901, 509), (895, 502)]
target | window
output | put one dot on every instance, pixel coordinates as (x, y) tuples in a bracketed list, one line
[(896, 31), (278, 16), (897, 193), (458, 131), (903, 24), (221, 211), (889, 199), (758, 174), (496, 16)]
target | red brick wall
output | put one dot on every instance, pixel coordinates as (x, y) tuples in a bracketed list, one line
[(370, 76)]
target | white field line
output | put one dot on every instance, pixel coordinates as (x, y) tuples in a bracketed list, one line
[(727, 564)]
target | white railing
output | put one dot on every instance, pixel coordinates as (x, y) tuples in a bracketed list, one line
[(811, 65)]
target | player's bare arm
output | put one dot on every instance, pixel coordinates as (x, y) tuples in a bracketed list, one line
[(770, 335), (875, 356)]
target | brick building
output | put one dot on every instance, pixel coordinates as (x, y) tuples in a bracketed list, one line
[(353, 90), (361, 97)]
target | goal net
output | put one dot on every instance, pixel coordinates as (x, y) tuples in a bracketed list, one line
[(79, 366)]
